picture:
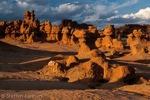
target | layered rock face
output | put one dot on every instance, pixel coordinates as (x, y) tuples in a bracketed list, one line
[(108, 41)]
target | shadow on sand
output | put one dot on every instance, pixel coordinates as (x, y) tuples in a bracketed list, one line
[(15, 59)]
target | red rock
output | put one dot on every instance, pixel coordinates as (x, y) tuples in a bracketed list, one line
[(97, 53), (72, 60), (122, 73)]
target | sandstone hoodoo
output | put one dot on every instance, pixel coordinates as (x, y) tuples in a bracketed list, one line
[(138, 42), (108, 41), (24, 30)]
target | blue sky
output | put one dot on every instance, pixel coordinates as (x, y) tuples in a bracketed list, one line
[(100, 13)]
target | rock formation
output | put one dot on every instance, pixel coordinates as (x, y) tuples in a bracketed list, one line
[(3, 26), (108, 41), (54, 34), (129, 28), (72, 60), (122, 74), (73, 24), (130, 39), (47, 28), (32, 15), (19, 28), (66, 37), (138, 42)]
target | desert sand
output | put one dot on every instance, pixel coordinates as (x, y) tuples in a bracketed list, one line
[(19, 80)]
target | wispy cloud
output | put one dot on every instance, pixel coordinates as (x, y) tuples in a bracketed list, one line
[(115, 6)]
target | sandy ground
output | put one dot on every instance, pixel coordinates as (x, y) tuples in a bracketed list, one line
[(19, 80)]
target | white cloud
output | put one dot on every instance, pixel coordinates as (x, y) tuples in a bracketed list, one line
[(38, 2), (66, 8), (115, 6), (143, 14), (22, 4)]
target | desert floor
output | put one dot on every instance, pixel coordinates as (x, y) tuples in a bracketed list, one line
[(19, 79)]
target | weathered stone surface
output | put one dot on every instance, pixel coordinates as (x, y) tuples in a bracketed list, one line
[(97, 53), (108, 41), (117, 44), (130, 39), (53, 67), (92, 70), (137, 43), (98, 42), (55, 34), (122, 74), (66, 38), (72, 60), (47, 27), (107, 71), (80, 33), (84, 49), (73, 40)]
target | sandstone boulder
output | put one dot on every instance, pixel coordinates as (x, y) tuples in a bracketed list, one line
[(53, 67), (72, 60), (92, 70), (97, 53), (122, 74)]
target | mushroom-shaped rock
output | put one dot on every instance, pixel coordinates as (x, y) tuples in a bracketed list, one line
[(72, 60), (110, 30)]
